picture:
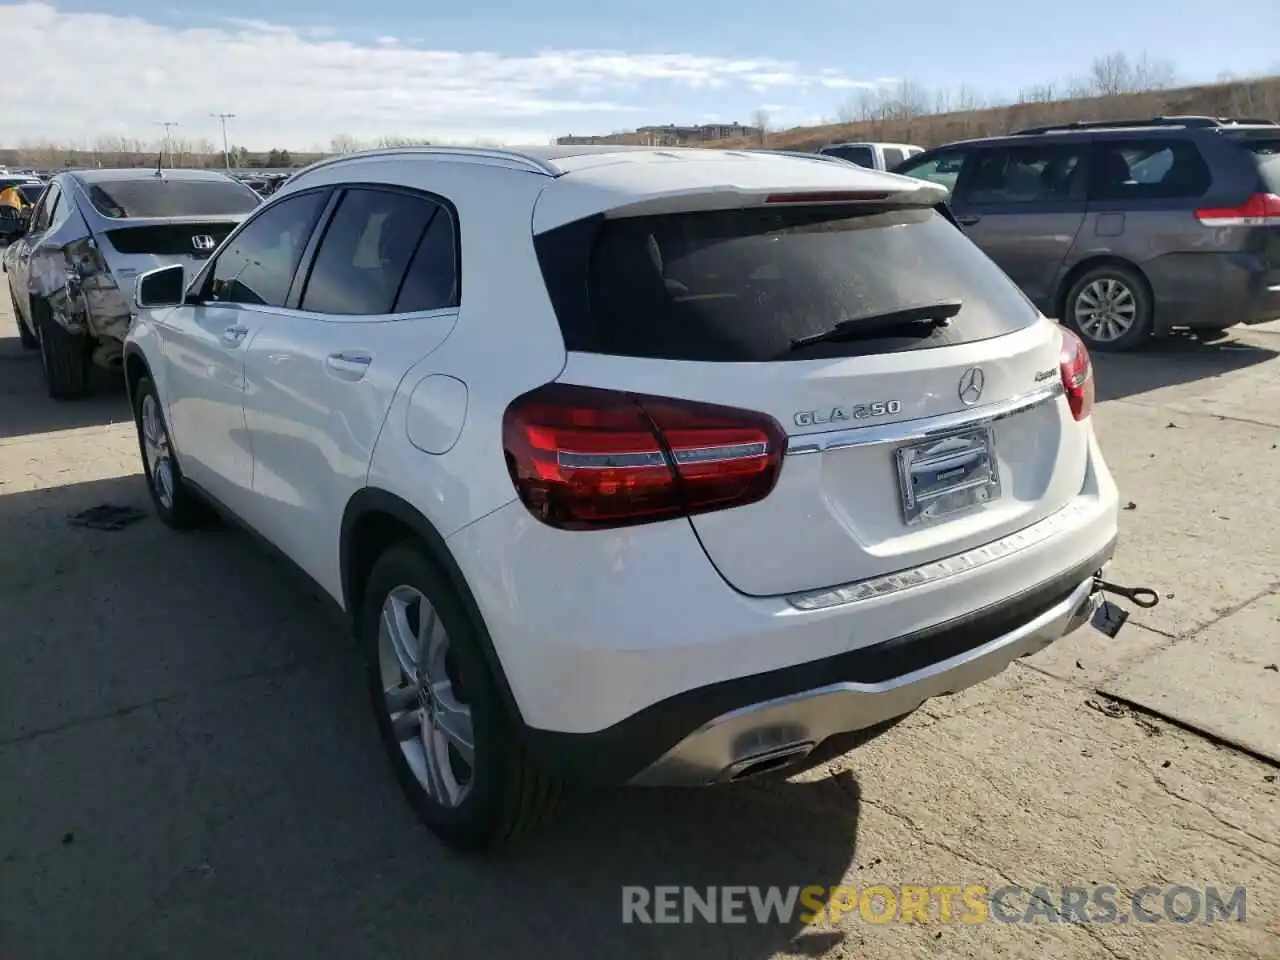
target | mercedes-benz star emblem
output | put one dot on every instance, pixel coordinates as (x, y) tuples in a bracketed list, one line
[(971, 383), (202, 241)]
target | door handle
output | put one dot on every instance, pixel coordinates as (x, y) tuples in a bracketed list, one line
[(232, 336), (966, 219), (348, 365)]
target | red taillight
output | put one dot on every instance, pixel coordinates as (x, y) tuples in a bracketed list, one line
[(584, 458), (1077, 375), (1260, 210)]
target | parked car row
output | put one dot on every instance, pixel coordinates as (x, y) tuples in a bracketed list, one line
[(75, 253), (1125, 229), (503, 405)]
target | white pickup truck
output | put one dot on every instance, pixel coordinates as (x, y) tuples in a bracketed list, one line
[(875, 156)]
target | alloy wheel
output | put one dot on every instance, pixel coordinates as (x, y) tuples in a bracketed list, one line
[(1105, 310), (424, 698), (159, 456)]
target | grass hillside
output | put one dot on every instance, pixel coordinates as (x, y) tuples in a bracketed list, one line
[(1250, 98)]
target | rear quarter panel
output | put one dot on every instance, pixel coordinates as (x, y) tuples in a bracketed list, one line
[(506, 341)]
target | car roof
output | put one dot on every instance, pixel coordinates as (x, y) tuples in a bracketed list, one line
[(561, 159), (592, 179)]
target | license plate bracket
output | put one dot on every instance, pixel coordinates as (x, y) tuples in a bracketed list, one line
[(947, 474)]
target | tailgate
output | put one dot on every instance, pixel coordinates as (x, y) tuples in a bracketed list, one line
[(905, 445)]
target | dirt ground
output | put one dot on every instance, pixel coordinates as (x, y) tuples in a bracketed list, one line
[(188, 766)]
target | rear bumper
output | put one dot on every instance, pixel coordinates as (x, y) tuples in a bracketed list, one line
[(625, 650), (775, 732), (1213, 290)]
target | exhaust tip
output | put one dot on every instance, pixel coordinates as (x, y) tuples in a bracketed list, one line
[(764, 763)]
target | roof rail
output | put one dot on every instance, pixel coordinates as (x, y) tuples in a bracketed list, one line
[(534, 164), (1175, 121)]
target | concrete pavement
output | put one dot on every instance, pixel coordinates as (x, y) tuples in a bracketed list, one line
[(188, 766)]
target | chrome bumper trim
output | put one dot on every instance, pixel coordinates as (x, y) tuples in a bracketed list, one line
[(902, 580), (791, 726)]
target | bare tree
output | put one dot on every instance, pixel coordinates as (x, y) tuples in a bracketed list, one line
[(1039, 93), (760, 120), (1149, 74), (398, 141), (344, 143), (1110, 75), (967, 99)]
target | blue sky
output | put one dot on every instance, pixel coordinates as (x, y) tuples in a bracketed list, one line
[(503, 70)]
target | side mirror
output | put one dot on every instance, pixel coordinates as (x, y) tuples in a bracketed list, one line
[(161, 287)]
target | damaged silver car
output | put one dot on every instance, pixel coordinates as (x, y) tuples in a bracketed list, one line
[(72, 272)]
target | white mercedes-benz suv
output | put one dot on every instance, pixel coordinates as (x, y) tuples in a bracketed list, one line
[(630, 465)]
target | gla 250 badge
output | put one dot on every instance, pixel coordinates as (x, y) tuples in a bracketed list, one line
[(857, 411)]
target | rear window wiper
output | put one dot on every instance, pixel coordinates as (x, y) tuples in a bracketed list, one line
[(928, 316)]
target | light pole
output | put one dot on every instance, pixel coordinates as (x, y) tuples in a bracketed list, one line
[(226, 153), (168, 125)]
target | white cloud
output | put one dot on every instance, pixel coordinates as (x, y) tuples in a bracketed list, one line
[(89, 74)]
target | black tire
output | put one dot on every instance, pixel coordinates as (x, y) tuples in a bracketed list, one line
[(64, 356), (1135, 292), (178, 508), (506, 794), (25, 336)]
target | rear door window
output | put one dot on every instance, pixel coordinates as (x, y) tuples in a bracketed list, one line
[(1266, 153), (943, 167), (862, 156), (741, 285), (365, 252), (1147, 169), (1035, 173)]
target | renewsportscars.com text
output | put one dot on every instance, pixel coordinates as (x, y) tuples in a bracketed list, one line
[(939, 903)]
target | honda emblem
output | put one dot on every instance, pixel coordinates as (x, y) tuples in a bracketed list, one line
[(203, 242)]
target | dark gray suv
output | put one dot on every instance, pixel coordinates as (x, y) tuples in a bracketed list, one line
[(1123, 229)]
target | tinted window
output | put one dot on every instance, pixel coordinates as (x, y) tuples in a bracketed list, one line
[(739, 285), (31, 192), (1025, 174), (892, 157), (365, 251), (1267, 154), (162, 197), (432, 280), (259, 264), (943, 167), (862, 156), (48, 204), (1147, 170)]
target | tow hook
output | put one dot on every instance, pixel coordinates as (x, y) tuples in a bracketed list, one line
[(1109, 618), (1144, 597)]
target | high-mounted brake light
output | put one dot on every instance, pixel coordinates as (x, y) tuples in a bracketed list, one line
[(834, 196), (1260, 210), (1077, 375), (584, 458)]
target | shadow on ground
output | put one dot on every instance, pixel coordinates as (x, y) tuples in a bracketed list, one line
[(26, 407), (191, 768), (1173, 360)]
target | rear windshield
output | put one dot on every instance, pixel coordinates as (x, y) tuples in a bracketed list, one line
[(1268, 155), (741, 285), (159, 197), (862, 156)]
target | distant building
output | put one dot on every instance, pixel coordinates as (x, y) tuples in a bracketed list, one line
[(669, 135)]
